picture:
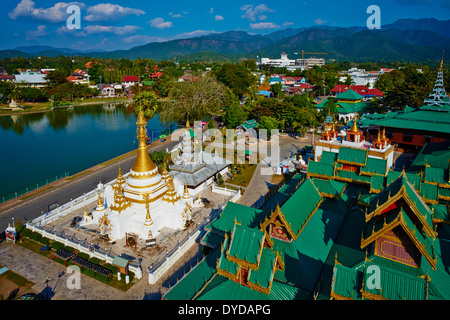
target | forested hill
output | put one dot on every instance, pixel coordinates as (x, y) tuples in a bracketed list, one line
[(406, 40)]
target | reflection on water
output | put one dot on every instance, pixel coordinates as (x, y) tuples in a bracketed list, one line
[(39, 146)]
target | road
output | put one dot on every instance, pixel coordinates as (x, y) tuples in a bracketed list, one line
[(64, 191)]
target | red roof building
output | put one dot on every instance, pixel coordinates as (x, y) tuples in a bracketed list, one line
[(362, 90)]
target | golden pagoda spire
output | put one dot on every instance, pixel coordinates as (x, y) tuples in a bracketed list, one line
[(441, 67), (354, 126), (143, 161), (148, 219), (378, 138), (186, 192)]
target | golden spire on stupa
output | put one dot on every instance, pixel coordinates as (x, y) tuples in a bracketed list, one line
[(354, 126), (143, 161)]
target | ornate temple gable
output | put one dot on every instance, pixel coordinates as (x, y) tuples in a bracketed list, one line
[(382, 228), (277, 227), (401, 193), (286, 223), (246, 260)]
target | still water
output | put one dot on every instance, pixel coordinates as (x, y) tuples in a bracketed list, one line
[(40, 146)]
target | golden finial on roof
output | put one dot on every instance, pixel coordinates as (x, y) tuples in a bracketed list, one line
[(143, 161), (378, 138), (383, 134), (441, 67), (354, 126)]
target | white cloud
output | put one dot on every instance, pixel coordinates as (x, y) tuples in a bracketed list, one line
[(264, 25), (320, 21), (262, 17), (192, 34), (218, 18), (40, 32), (159, 23), (95, 29), (54, 14), (98, 29), (178, 15), (251, 13), (287, 23), (141, 39), (211, 10), (109, 11)]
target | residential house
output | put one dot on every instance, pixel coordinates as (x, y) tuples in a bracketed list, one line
[(6, 77), (129, 81), (79, 76), (108, 91)]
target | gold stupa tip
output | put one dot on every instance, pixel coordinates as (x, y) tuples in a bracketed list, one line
[(143, 161), (354, 126)]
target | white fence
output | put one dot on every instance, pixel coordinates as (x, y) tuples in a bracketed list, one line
[(81, 247), (70, 206), (233, 194)]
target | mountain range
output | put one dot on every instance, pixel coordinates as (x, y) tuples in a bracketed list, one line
[(414, 40)]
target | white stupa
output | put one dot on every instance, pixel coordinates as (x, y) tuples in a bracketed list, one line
[(144, 203)]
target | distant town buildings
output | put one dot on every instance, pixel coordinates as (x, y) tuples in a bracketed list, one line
[(292, 64)]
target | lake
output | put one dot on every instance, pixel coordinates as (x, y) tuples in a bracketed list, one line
[(40, 146)]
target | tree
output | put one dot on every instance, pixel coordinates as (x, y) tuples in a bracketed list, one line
[(148, 101), (194, 100), (276, 89), (236, 77), (234, 115), (268, 123), (56, 77)]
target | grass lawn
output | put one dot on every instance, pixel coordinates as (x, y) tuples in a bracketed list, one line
[(246, 173)]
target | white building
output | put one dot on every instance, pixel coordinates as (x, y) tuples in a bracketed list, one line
[(195, 170), (32, 78)]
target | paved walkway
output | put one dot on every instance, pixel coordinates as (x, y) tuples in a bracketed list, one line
[(258, 186), (37, 268)]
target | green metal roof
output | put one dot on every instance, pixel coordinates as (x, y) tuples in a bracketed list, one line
[(375, 166), (187, 287), (246, 244), (426, 120), (434, 154), (414, 179), (355, 156), (264, 275), (394, 285), (234, 212), (329, 187), (429, 191), (120, 262), (436, 175), (298, 208), (323, 169), (328, 157), (347, 282), (349, 95), (377, 182)]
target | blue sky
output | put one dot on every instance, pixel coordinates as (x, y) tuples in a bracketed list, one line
[(123, 24)]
